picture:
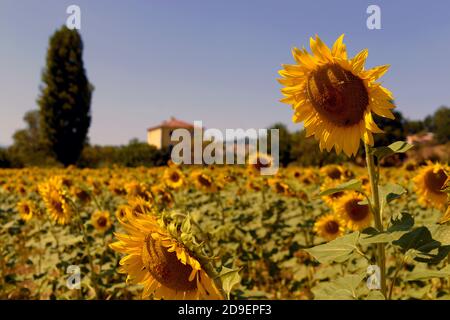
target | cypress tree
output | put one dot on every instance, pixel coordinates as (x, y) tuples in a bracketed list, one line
[(65, 98)]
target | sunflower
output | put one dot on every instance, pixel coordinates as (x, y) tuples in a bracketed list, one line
[(162, 195), (258, 161), (137, 207), (80, 194), (331, 199), (55, 199), (329, 227), (173, 177), (121, 213), (280, 187), (138, 189), (357, 216), (203, 181), (308, 176), (101, 221), (26, 209), (334, 96), (159, 262), (333, 172), (429, 183)]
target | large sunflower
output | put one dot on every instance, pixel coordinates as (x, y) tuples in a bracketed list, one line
[(159, 262), (55, 199), (357, 216), (334, 96), (429, 183), (330, 227)]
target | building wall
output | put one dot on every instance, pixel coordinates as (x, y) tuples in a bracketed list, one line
[(166, 134), (160, 137), (154, 137)]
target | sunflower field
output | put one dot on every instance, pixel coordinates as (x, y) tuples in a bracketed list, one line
[(261, 237), (338, 231)]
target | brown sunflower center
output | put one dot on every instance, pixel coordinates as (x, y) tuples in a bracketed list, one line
[(332, 227), (435, 180), (175, 177), (261, 163), (102, 221), (204, 181), (337, 95), (165, 267), (355, 211), (56, 204), (334, 173), (336, 195)]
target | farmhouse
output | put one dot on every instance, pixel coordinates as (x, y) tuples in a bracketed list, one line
[(159, 135)]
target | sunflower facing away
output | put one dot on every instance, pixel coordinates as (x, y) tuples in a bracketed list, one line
[(329, 227), (55, 199), (160, 263), (26, 209), (357, 216), (335, 96), (428, 185)]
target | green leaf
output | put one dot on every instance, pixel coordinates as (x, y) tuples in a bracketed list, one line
[(399, 227), (390, 192), (344, 288), (229, 278), (186, 225), (424, 274), (422, 246), (396, 147), (353, 184), (404, 223), (338, 250)]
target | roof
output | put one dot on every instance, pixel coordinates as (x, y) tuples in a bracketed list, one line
[(172, 123)]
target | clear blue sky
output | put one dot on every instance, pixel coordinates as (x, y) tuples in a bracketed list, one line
[(214, 61)]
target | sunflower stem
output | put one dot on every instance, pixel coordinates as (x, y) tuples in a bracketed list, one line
[(381, 256)]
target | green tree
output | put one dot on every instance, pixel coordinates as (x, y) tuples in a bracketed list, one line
[(285, 145), (65, 98), (27, 148), (394, 129), (441, 121), (414, 126)]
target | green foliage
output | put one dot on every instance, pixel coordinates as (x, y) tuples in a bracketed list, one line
[(353, 184), (338, 250), (134, 154), (441, 121), (28, 148), (65, 97), (229, 278), (394, 129), (393, 148), (285, 145), (305, 151)]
